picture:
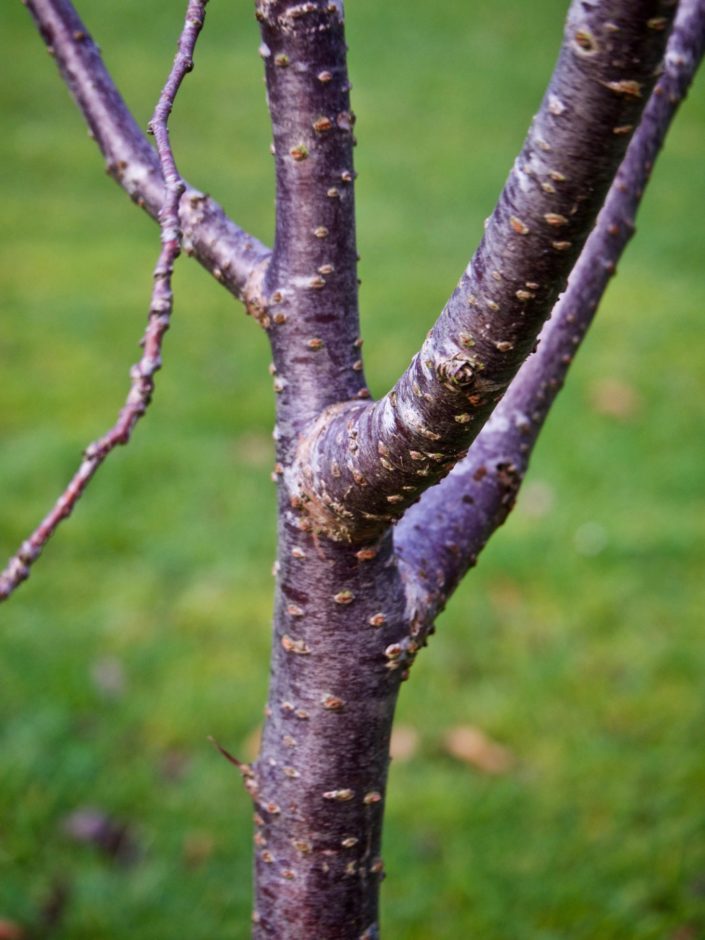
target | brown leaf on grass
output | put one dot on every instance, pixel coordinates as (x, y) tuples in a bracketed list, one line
[(506, 596), (9, 930), (472, 746), (254, 450), (173, 765), (685, 932), (404, 743), (198, 847), (614, 398)]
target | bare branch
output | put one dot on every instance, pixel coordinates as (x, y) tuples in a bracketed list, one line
[(311, 284), (229, 253), (142, 374), (441, 536), (363, 464)]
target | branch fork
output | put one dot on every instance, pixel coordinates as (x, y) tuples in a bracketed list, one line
[(352, 467), (369, 549)]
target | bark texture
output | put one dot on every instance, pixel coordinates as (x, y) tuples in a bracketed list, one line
[(355, 600), (319, 783), (310, 287), (442, 535), (416, 433), (348, 622)]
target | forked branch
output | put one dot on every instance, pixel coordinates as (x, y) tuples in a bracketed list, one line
[(142, 374), (364, 464), (440, 537), (229, 253)]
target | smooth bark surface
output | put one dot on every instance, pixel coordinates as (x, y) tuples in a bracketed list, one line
[(319, 782)]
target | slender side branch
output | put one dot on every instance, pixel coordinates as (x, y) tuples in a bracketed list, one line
[(441, 536), (362, 465), (229, 253), (142, 374)]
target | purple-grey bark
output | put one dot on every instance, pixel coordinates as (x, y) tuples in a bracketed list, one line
[(355, 598), (158, 322), (223, 248), (418, 431), (441, 536), (347, 623)]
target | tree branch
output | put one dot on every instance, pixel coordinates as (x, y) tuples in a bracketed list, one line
[(311, 283), (229, 253), (161, 306), (363, 465), (440, 538)]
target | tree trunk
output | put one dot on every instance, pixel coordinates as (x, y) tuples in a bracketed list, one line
[(345, 630), (319, 782)]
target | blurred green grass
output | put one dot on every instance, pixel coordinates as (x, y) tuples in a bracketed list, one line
[(578, 641)]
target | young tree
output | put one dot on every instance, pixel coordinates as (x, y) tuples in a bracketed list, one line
[(383, 505)]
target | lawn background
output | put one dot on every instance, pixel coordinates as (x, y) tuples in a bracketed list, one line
[(577, 643)]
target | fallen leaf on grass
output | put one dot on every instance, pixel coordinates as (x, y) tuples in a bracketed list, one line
[(472, 746), (198, 847), (404, 743), (686, 932), (9, 930), (506, 596), (173, 765), (614, 398), (254, 450)]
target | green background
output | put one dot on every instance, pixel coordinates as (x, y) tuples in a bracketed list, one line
[(578, 641)]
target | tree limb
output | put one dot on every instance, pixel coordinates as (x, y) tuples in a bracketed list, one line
[(362, 465), (229, 253), (441, 536), (311, 283), (161, 306)]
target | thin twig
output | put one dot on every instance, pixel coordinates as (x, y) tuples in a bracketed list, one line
[(143, 372), (230, 254)]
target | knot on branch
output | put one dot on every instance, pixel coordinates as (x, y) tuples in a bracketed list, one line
[(309, 15), (460, 372)]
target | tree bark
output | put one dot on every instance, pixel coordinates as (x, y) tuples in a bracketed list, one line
[(319, 782), (414, 435), (355, 601), (349, 618), (442, 535), (223, 248)]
